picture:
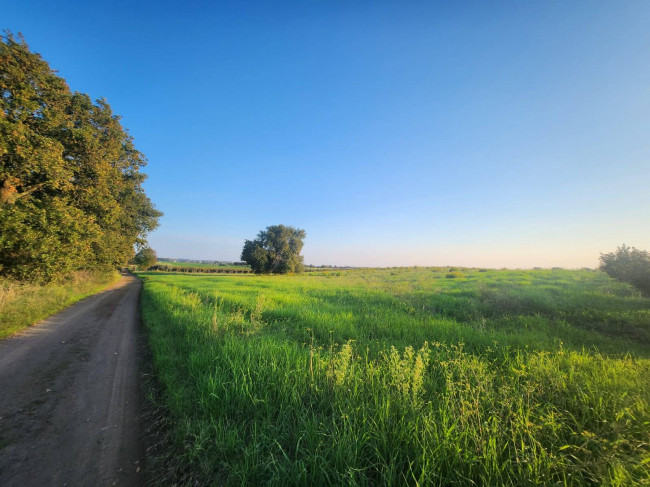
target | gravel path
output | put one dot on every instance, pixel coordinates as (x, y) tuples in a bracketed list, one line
[(70, 398)]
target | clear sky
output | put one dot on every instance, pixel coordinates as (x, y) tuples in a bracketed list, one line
[(495, 134)]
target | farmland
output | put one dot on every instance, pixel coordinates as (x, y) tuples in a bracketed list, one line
[(404, 376), (198, 267)]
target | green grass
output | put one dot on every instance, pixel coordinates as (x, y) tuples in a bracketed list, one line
[(23, 304), (404, 376)]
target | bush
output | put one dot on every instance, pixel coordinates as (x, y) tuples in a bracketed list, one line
[(454, 275), (629, 265)]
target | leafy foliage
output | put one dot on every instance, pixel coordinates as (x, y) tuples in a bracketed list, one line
[(145, 258), (630, 265), (71, 193), (276, 249)]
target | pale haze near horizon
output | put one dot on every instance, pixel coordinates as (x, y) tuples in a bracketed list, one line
[(509, 135)]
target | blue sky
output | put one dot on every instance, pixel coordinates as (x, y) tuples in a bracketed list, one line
[(500, 134)]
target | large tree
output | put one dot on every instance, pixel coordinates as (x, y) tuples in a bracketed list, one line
[(71, 193), (275, 250)]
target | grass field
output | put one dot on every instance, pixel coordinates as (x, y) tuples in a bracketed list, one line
[(23, 304), (200, 267), (404, 376)]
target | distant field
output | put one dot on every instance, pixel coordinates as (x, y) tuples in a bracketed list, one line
[(404, 376), (200, 267)]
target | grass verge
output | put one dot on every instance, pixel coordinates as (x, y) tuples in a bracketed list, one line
[(403, 377), (23, 304)]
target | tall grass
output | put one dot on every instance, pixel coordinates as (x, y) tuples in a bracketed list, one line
[(394, 377), (23, 304)]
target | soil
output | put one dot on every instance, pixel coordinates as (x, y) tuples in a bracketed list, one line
[(71, 398)]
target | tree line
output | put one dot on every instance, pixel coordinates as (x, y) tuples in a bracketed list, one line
[(71, 193), (199, 270)]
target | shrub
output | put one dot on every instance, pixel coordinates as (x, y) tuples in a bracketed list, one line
[(454, 275), (630, 265)]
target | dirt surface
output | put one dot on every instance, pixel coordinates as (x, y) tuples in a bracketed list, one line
[(70, 398)]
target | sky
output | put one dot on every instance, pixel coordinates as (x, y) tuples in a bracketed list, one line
[(483, 134)]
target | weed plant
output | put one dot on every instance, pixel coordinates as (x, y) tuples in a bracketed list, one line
[(404, 377)]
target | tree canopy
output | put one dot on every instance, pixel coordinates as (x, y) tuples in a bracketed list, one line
[(630, 265), (275, 250), (71, 193), (145, 258)]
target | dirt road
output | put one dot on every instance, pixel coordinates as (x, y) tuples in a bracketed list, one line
[(70, 396)]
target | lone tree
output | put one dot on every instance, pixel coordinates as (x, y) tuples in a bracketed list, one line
[(145, 258), (275, 250), (629, 265)]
